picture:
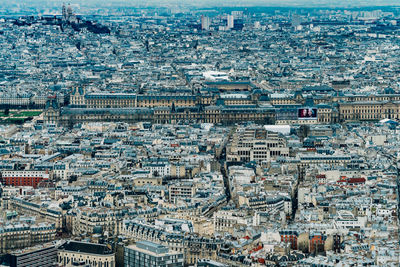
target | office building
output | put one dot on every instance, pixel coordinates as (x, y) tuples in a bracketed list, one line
[(205, 23), (149, 254), (38, 256)]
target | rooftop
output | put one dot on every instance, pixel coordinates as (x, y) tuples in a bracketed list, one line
[(84, 247)]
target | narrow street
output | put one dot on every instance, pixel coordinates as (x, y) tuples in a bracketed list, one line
[(222, 162), (221, 157)]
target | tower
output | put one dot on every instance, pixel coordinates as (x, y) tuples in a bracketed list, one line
[(69, 12), (64, 12)]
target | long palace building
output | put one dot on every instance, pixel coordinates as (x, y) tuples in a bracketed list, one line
[(160, 108), (310, 105)]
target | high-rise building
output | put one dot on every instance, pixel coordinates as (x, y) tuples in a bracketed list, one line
[(149, 254), (230, 21), (296, 20), (237, 14), (205, 23)]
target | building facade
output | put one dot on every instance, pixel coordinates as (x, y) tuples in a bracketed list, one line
[(74, 253), (256, 144), (24, 178), (192, 247), (39, 256), (149, 254), (369, 110), (20, 235)]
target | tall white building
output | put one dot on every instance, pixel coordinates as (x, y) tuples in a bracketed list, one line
[(205, 23), (230, 21)]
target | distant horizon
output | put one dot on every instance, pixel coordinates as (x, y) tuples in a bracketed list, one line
[(17, 8), (206, 3)]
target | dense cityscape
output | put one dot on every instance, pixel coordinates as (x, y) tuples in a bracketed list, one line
[(199, 136)]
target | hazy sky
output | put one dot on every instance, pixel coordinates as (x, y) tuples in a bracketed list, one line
[(211, 3)]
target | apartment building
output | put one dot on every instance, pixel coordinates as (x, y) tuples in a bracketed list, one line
[(74, 253)]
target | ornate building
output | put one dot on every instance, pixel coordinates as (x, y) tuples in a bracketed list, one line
[(173, 114), (369, 110), (193, 247), (225, 103), (20, 235)]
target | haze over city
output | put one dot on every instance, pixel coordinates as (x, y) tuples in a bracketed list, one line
[(209, 3)]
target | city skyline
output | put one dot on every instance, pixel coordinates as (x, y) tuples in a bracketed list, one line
[(220, 3)]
